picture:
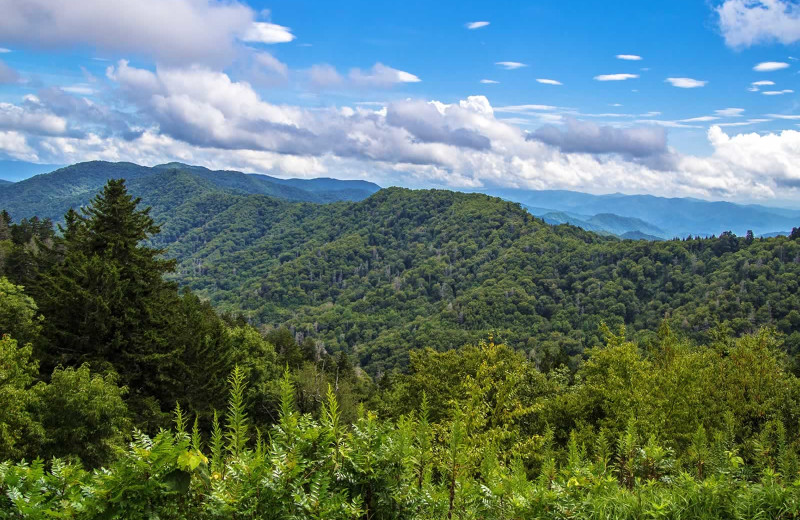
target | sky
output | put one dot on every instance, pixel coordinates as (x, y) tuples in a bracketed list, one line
[(681, 98)]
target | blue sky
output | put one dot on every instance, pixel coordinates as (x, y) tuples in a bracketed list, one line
[(637, 97)]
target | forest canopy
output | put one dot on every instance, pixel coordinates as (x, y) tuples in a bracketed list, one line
[(416, 355)]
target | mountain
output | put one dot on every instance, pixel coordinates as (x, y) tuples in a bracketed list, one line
[(50, 195), (677, 217), (602, 223), (406, 269), (4, 183)]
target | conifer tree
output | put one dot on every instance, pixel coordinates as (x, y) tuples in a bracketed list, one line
[(107, 302)]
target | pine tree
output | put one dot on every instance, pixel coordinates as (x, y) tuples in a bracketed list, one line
[(107, 302)]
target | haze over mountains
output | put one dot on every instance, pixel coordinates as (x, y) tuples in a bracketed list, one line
[(647, 217)]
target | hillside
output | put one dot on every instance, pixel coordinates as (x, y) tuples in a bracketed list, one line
[(50, 195), (677, 217), (407, 269)]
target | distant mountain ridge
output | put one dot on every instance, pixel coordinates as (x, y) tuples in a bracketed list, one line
[(50, 195), (675, 217)]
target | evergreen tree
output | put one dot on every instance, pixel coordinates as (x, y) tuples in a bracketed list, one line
[(107, 302)]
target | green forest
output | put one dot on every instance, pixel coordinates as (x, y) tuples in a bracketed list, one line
[(176, 350)]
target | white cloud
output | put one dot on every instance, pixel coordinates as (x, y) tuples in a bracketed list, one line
[(262, 32), (762, 83), (777, 92), (749, 22), (769, 66), (14, 144), (35, 120), (381, 75), (176, 32), (629, 57), (511, 65), (198, 115), (615, 77), (729, 112), (476, 25), (3, 50), (489, 82), (548, 81), (686, 82)]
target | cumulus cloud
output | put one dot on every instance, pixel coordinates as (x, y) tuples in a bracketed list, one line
[(476, 25), (7, 74), (749, 22), (629, 57), (587, 137), (511, 65), (431, 124), (765, 162), (170, 31), (778, 92), (199, 115), (22, 119), (489, 82), (549, 81), (263, 32), (769, 66), (615, 77), (15, 145)]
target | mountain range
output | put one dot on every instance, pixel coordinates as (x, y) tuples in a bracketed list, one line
[(377, 272), (50, 195), (638, 217), (658, 216)]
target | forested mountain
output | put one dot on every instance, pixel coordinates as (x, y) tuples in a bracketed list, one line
[(5, 183), (407, 269), (50, 195), (498, 379), (677, 217)]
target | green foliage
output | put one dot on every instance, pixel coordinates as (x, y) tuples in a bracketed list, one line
[(18, 313), (18, 426), (83, 414), (387, 470)]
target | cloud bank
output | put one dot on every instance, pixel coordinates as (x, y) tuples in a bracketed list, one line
[(199, 115)]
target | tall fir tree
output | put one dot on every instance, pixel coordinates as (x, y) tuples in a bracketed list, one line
[(107, 302)]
